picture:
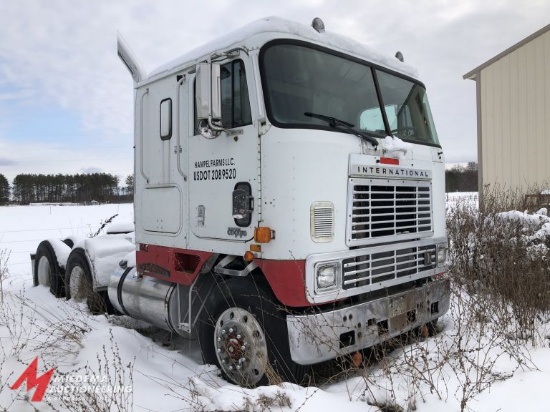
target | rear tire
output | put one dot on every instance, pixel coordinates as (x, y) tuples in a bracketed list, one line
[(79, 283), (244, 333), (47, 271)]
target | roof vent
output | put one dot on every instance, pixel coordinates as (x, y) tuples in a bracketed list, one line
[(399, 56), (318, 25)]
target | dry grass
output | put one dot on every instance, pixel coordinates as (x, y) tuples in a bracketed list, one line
[(500, 283), (499, 262)]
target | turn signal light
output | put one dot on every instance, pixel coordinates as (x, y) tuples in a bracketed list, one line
[(248, 256), (263, 234), (256, 248)]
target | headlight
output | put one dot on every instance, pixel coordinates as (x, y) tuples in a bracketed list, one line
[(441, 255), (327, 275)]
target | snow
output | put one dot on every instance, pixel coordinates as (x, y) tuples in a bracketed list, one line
[(165, 373), (105, 252), (61, 250), (518, 393), (394, 147), (121, 226)]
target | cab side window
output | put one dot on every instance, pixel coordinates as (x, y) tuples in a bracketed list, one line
[(234, 91), (234, 94)]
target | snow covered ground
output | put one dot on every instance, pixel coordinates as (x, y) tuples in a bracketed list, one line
[(139, 369)]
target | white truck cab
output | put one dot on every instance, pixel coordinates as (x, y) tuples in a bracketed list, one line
[(289, 200)]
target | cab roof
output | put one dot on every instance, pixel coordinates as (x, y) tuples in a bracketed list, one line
[(257, 33)]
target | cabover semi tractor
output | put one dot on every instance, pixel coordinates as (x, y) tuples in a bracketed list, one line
[(289, 203)]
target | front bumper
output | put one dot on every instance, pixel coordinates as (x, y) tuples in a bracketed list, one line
[(326, 335)]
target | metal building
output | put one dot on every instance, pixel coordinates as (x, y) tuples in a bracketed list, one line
[(513, 115)]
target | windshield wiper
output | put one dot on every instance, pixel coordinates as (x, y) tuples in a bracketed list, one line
[(337, 123)]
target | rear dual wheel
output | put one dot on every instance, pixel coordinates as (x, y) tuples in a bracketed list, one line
[(47, 270), (79, 284)]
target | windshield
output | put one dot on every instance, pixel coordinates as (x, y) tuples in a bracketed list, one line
[(407, 109), (299, 79)]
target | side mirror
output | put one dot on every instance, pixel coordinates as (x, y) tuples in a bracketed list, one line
[(208, 93)]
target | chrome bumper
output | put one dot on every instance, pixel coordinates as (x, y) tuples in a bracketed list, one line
[(326, 335)]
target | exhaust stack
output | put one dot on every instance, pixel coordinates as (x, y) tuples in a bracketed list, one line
[(130, 60)]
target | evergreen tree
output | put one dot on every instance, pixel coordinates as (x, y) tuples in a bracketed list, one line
[(130, 184), (4, 190)]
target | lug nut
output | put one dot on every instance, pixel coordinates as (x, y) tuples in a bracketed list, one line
[(239, 336), (231, 330), (223, 331)]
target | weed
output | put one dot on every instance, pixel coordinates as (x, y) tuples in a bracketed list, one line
[(107, 387), (102, 226)]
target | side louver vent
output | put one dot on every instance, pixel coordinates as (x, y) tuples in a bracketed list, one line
[(322, 221)]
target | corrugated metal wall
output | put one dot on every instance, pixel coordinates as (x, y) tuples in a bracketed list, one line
[(515, 112)]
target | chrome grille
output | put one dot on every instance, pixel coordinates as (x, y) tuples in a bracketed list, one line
[(379, 209), (385, 266)]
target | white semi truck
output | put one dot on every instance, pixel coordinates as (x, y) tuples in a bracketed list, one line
[(289, 202)]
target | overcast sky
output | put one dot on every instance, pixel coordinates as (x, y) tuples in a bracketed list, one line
[(66, 98)]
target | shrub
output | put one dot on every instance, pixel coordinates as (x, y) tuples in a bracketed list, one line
[(499, 257)]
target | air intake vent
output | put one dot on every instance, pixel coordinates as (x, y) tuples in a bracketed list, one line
[(322, 221)]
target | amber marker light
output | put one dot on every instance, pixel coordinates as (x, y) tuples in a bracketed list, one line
[(248, 256), (263, 234), (256, 248)]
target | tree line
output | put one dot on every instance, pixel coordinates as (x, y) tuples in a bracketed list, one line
[(461, 178), (103, 187), (79, 188)]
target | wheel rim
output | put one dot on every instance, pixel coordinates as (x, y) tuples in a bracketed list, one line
[(240, 346), (44, 271), (77, 284)]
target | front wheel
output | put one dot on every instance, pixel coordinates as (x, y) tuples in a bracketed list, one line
[(244, 333)]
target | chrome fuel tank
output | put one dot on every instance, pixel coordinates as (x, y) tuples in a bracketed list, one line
[(146, 298)]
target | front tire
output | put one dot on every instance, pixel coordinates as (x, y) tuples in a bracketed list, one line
[(244, 333)]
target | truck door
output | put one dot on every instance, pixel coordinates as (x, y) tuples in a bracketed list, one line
[(226, 167), (162, 202)]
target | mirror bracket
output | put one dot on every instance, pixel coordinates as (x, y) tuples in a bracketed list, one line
[(208, 99)]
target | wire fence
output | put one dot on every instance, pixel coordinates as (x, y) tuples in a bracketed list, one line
[(22, 228)]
